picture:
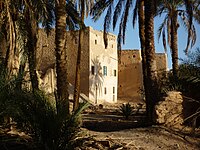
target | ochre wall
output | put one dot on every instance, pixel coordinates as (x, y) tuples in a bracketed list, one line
[(46, 58), (130, 74), (161, 63), (72, 51)]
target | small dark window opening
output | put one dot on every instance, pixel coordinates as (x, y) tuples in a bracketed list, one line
[(113, 90), (133, 56), (93, 70), (95, 41), (112, 45), (115, 73), (105, 91)]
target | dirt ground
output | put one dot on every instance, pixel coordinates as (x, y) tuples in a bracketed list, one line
[(105, 129), (111, 131), (151, 138)]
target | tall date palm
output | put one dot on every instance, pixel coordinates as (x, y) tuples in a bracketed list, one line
[(121, 11), (151, 90), (61, 57), (84, 7), (175, 13)]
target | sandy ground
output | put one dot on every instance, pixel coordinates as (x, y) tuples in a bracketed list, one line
[(107, 132), (151, 138)]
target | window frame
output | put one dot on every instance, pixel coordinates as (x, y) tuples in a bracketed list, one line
[(105, 71)]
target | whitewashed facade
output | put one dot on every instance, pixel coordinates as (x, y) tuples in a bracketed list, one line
[(103, 77)]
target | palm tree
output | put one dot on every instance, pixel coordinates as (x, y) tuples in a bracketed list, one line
[(23, 18), (84, 8), (174, 10), (151, 91), (146, 21), (61, 57), (8, 34), (139, 11)]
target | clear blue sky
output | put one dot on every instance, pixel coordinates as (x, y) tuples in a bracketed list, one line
[(132, 37)]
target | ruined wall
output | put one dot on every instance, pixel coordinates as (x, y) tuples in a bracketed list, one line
[(170, 111)]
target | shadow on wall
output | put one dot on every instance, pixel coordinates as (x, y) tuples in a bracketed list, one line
[(96, 79)]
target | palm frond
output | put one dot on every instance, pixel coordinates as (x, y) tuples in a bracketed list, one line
[(125, 18), (80, 109), (73, 17), (135, 13), (47, 16), (161, 31), (117, 12), (189, 9), (162, 27), (107, 23), (99, 8)]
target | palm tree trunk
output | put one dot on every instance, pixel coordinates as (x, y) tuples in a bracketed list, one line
[(151, 92), (174, 45), (142, 40), (78, 63), (31, 45), (61, 58), (78, 72), (12, 43), (20, 76)]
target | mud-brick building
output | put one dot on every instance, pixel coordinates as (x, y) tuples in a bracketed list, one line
[(99, 70), (99, 65), (130, 74)]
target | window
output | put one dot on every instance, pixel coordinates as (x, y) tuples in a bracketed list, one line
[(113, 90), (105, 70), (95, 41), (105, 91), (92, 70), (115, 73), (112, 45)]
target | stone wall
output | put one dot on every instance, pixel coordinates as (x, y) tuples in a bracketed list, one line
[(170, 111)]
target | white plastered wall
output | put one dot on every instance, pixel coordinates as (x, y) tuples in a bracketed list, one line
[(103, 88)]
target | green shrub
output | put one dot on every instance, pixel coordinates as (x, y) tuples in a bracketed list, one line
[(50, 129), (126, 110), (35, 114)]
